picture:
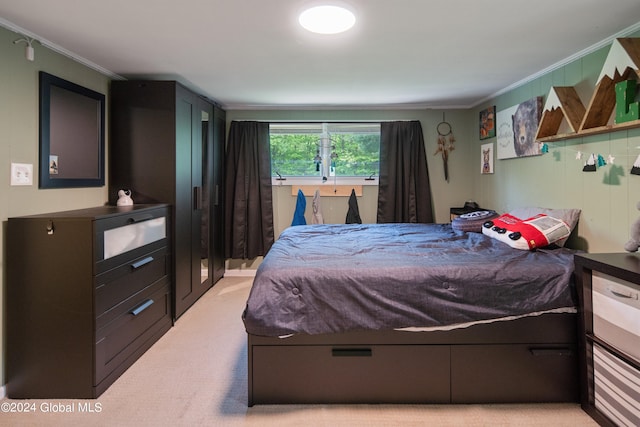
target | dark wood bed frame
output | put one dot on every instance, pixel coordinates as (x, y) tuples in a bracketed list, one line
[(532, 359)]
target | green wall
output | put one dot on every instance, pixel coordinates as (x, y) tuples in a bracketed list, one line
[(445, 194), (19, 138), (607, 197)]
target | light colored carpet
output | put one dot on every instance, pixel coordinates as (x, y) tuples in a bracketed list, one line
[(196, 375)]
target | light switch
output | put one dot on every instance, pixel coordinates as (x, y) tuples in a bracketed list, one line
[(21, 174)]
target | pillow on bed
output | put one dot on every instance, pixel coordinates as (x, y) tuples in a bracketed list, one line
[(569, 216), (532, 233)]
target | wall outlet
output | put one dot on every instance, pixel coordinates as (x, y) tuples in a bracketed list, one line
[(21, 174)]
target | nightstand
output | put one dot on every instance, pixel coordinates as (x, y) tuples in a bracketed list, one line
[(608, 287)]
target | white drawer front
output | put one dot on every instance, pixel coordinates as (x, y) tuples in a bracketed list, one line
[(616, 313), (123, 239), (616, 388)]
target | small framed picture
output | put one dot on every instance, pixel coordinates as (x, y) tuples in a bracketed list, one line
[(53, 165), (487, 123), (486, 158)]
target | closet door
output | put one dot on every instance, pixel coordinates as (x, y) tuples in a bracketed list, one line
[(185, 209), (217, 207), (192, 234)]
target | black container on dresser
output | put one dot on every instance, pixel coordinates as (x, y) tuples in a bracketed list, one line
[(608, 288), (88, 292)]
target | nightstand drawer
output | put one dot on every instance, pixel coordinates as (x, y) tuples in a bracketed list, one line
[(616, 313), (122, 337), (117, 285)]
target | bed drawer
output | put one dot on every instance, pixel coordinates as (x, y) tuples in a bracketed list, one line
[(121, 338), (282, 374), (526, 373)]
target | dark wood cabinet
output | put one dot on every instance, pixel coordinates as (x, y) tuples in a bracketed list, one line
[(608, 288), (167, 145), (88, 292)]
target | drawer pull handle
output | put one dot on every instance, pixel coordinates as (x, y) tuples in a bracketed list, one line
[(551, 351), (143, 261), (620, 294), (351, 352), (142, 307), (140, 218)]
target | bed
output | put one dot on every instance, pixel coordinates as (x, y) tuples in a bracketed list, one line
[(410, 313)]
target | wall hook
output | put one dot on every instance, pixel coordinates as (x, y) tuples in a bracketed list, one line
[(28, 50)]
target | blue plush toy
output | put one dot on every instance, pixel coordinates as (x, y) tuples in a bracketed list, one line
[(634, 241)]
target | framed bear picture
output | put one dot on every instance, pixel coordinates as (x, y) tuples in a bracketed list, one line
[(516, 129)]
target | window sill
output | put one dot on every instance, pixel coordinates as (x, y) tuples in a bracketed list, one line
[(298, 181)]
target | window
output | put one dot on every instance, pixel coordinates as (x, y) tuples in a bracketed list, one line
[(336, 151)]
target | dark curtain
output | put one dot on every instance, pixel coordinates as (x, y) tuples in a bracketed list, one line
[(248, 201), (404, 193)]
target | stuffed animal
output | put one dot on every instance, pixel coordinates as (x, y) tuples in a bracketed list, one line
[(634, 242)]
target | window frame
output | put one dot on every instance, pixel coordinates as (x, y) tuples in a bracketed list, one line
[(371, 180)]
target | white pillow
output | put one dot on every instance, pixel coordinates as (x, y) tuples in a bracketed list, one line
[(532, 233), (569, 216)]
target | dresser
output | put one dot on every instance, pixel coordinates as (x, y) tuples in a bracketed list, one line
[(87, 293), (608, 288)]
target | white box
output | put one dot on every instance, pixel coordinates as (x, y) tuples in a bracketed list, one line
[(616, 313)]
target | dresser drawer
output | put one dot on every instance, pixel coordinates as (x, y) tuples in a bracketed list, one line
[(119, 284), (150, 312), (616, 388), (118, 238), (616, 313)]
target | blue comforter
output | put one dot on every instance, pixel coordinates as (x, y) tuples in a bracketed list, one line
[(335, 278)]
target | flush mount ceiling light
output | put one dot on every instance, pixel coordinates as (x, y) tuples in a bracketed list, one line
[(327, 19)]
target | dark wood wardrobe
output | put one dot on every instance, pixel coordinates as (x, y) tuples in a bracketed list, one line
[(167, 146)]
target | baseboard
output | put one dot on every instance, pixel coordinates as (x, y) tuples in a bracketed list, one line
[(3, 392), (240, 273)]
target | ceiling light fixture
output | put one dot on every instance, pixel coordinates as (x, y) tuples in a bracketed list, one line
[(327, 19)]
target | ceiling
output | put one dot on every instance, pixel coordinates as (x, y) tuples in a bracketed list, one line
[(253, 54)]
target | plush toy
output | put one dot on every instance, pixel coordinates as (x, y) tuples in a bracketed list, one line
[(634, 242)]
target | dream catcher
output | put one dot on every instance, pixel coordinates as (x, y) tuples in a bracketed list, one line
[(326, 147), (317, 160), (446, 142)]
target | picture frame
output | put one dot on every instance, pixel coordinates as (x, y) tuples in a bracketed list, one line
[(487, 121), (516, 129), (72, 134), (486, 158)]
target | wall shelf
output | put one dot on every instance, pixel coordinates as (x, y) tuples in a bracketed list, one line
[(327, 190), (563, 102), (593, 131)]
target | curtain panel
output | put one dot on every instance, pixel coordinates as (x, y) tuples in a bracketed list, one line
[(404, 192), (249, 230)]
